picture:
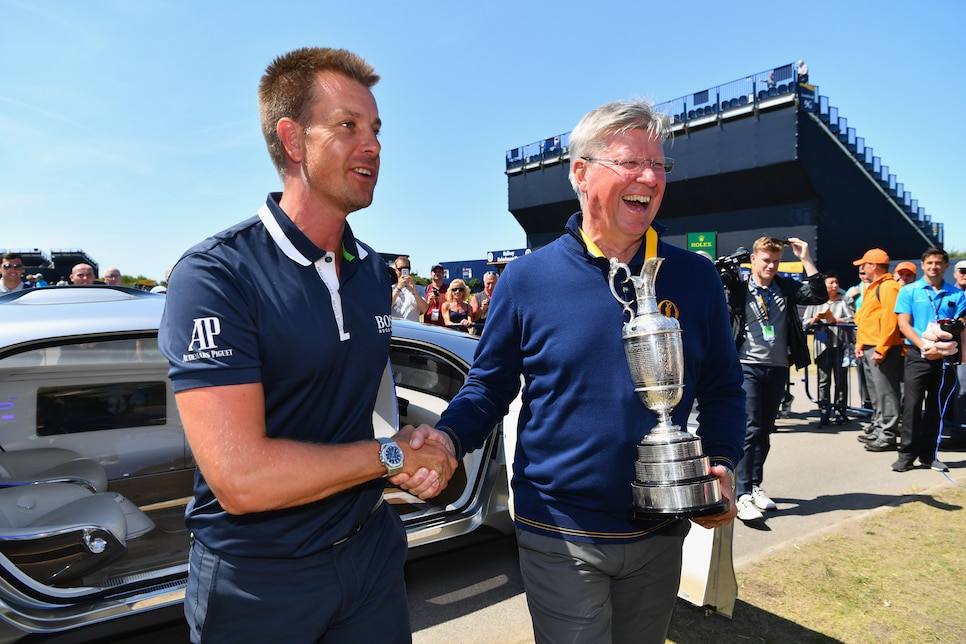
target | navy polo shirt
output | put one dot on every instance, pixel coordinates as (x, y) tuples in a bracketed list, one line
[(261, 303)]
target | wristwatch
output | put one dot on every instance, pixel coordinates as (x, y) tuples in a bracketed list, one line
[(390, 455)]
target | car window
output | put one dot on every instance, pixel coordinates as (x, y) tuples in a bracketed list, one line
[(425, 372), (106, 399), (142, 350), (78, 408)]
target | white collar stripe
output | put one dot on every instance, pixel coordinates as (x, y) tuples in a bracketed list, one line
[(284, 243), (325, 269)]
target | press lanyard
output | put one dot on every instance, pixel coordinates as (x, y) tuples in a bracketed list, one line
[(767, 330), (933, 302)]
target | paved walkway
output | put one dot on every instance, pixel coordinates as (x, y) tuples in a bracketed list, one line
[(821, 477)]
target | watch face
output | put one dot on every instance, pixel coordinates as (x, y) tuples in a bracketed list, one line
[(392, 455)]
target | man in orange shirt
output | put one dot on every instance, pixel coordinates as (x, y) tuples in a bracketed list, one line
[(879, 347)]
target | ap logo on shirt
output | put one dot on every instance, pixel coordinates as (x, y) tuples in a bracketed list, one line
[(203, 334), (202, 345)]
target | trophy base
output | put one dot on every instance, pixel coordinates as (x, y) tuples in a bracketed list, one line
[(651, 514), (680, 499)]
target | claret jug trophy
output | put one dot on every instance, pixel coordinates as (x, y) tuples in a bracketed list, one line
[(671, 469)]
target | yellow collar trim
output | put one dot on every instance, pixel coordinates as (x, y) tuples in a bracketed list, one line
[(650, 244)]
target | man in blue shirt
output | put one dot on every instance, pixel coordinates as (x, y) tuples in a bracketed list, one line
[(591, 572), (926, 377), (277, 331)]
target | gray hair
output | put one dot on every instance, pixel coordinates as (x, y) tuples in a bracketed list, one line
[(587, 139)]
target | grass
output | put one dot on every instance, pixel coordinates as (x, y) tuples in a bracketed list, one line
[(895, 576)]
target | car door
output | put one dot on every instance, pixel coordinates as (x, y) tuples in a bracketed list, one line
[(427, 375)]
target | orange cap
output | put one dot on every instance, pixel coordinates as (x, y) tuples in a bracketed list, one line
[(873, 256), (905, 266)]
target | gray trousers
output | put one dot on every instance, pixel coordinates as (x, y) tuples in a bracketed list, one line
[(586, 592), (883, 383)]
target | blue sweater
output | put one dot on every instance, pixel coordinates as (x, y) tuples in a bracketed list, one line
[(554, 321)]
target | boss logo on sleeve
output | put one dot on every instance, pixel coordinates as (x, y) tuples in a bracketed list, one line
[(384, 323)]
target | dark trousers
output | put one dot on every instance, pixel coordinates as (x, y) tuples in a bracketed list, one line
[(764, 387), (353, 592), (829, 366), (927, 384), (959, 400)]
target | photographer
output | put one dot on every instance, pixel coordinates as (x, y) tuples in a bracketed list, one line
[(770, 339), (435, 296), (929, 301), (407, 300)]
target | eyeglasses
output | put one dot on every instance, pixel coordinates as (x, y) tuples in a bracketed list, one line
[(636, 166), (961, 271), (458, 288), (16, 267)]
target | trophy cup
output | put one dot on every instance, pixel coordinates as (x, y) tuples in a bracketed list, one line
[(671, 469)]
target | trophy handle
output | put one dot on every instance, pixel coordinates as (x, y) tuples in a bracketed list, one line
[(616, 268)]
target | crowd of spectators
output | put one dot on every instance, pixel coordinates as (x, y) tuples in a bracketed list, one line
[(439, 303), (13, 276), (909, 381), (885, 327)]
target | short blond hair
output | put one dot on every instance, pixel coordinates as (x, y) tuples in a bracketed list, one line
[(287, 90)]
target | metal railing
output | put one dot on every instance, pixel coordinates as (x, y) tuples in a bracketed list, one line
[(750, 90)]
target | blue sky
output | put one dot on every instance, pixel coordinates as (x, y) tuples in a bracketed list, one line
[(129, 128)]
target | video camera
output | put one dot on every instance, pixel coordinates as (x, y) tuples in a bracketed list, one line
[(955, 328), (729, 270), (729, 266)]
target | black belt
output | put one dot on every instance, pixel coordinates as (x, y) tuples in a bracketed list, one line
[(359, 526)]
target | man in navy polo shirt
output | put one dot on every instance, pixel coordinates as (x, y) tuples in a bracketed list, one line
[(277, 331)]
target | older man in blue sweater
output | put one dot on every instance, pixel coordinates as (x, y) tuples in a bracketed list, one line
[(592, 573)]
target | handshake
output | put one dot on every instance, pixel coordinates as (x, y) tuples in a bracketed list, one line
[(429, 461)]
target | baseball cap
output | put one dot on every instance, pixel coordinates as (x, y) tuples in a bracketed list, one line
[(873, 256), (960, 264), (906, 266), (435, 267)]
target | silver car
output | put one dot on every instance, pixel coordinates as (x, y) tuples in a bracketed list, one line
[(95, 471)]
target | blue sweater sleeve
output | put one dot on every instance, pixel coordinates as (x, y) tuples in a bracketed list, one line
[(494, 379)]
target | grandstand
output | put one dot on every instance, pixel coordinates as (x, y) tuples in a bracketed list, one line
[(763, 154)]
